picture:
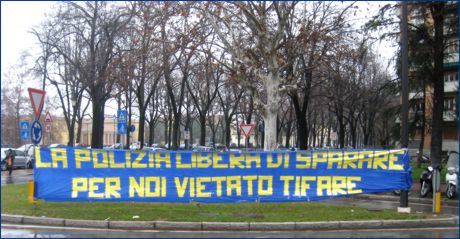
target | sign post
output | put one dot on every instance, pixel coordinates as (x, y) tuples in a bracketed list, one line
[(246, 129), (121, 125)]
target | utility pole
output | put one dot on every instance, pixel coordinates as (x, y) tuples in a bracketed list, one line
[(403, 200)]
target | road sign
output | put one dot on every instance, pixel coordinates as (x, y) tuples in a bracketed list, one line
[(25, 130), (121, 118), (36, 131), (48, 118), (246, 128), (186, 134), (47, 127), (36, 98), (121, 128)]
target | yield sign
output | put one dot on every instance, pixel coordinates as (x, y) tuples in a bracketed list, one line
[(36, 97), (246, 128)]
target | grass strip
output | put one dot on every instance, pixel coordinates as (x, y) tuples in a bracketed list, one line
[(14, 201)]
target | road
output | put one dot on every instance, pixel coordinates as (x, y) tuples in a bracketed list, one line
[(9, 231), (22, 176)]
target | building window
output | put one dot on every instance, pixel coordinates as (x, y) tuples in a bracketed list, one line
[(451, 77), (450, 104)]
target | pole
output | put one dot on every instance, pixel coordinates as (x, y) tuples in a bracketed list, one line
[(403, 199)]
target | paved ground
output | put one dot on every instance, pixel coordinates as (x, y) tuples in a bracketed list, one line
[(9, 231)]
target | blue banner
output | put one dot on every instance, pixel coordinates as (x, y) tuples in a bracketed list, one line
[(69, 174)]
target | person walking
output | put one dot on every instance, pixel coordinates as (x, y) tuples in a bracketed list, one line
[(10, 161)]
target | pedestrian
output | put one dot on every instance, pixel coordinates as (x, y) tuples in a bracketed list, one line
[(9, 161)]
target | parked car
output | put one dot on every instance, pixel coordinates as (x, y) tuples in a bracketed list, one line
[(20, 158), (147, 148), (202, 148), (57, 146), (135, 146)]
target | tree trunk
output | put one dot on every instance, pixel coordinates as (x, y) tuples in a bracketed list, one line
[(141, 125), (202, 119), (227, 131), (438, 84), (98, 123)]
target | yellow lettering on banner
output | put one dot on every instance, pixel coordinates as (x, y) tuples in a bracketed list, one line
[(135, 187), (148, 184), (112, 187), (38, 160), (252, 158), (380, 158), (200, 187), (180, 187), (260, 189), (179, 163), (339, 184), (105, 161), (203, 160), (271, 164), (93, 187), (304, 185), (79, 185), (318, 157), (235, 161), (334, 157), (351, 185), (303, 160), (112, 162), (216, 161), (365, 157), (250, 179), (233, 183), (323, 183), (151, 159), (349, 159), (59, 155), (128, 159), (393, 158), (286, 160), (81, 155), (192, 187), (218, 181), (166, 159), (297, 186), (287, 180), (137, 161)]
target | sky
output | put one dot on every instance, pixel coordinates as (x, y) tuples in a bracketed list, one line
[(19, 17), (17, 20)]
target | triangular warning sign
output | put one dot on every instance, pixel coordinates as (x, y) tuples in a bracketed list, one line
[(24, 126), (48, 117), (246, 128), (36, 97), (122, 117)]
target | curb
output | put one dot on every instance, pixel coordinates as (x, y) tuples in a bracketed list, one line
[(453, 203), (232, 226)]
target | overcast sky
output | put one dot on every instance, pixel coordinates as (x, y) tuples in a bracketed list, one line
[(18, 18)]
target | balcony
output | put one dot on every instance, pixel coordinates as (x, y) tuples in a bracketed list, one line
[(449, 116), (451, 86)]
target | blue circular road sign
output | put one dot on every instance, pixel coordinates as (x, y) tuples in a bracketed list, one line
[(36, 132)]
